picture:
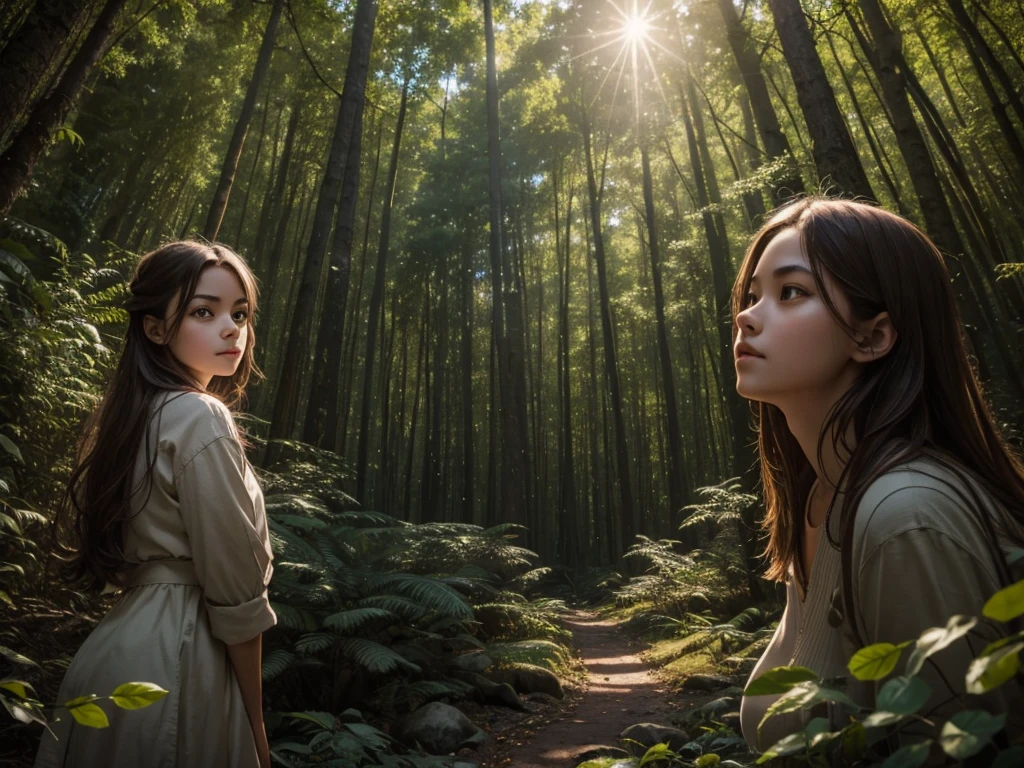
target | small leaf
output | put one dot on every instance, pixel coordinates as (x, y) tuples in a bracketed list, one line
[(8, 445), (16, 687), (779, 680), (324, 719), (790, 745), (935, 639), (909, 756), (966, 733), (1006, 604), (903, 695), (876, 661), (854, 740), (882, 719), (16, 657), (137, 695), (988, 672), (89, 715), (804, 696)]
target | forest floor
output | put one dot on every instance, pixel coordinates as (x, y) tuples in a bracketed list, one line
[(619, 690)]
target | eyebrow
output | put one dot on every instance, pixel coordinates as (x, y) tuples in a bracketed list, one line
[(216, 299), (784, 270)]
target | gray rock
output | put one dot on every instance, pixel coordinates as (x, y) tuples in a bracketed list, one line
[(649, 734), (713, 710), (599, 752), (527, 678), (490, 692), (705, 683), (475, 661), (439, 728)]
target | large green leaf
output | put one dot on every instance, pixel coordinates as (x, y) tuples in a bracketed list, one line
[(1006, 604), (374, 656), (137, 695), (876, 661), (987, 672), (935, 639), (779, 680), (903, 695), (351, 620), (87, 713), (967, 733), (804, 696)]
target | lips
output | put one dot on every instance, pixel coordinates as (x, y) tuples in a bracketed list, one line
[(232, 352), (745, 350)]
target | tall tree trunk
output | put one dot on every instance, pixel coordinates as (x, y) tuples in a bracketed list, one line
[(675, 438), (353, 97), (252, 171), (234, 153), (835, 155), (510, 366), (627, 518), (322, 413), (18, 161), (468, 452), (31, 52), (271, 258), (775, 143), (376, 298), (721, 277), (887, 61), (568, 515)]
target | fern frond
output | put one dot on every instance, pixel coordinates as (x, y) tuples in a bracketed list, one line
[(374, 657), (351, 620)]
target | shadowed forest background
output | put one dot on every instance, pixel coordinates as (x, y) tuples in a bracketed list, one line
[(496, 244)]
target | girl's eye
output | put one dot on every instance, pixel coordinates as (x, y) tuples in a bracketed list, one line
[(792, 292), (241, 316), (198, 312), (749, 300)]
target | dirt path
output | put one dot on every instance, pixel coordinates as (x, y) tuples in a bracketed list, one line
[(621, 691)]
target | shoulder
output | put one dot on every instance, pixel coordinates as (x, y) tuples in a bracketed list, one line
[(192, 420), (922, 495)]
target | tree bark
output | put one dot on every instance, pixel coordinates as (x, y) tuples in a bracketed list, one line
[(29, 55), (627, 516), (675, 438), (353, 98), (510, 366), (376, 299), (234, 153), (19, 160), (775, 143), (835, 155), (322, 412)]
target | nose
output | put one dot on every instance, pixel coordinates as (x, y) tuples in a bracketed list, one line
[(748, 322), (230, 329)]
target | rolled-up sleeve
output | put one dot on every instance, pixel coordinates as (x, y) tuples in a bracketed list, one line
[(222, 510)]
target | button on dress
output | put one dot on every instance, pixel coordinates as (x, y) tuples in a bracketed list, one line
[(202, 556)]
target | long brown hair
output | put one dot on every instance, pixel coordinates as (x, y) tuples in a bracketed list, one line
[(90, 519), (923, 398)]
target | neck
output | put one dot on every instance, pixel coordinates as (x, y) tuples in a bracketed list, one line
[(807, 422)]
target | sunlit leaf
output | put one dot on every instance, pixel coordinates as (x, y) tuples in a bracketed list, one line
[(935, 639), (1006, 604), (137, 695), (876, 661), (966, 733), (779, 680)]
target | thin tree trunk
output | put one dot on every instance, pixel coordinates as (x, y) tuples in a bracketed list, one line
[(352, 100), (234, 153), (376, 297), (774, 140)]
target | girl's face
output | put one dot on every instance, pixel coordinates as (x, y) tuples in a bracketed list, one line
[(789, 349), (214, 330)]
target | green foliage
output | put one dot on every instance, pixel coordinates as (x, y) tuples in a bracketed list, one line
[(900, 699), (14, 695)]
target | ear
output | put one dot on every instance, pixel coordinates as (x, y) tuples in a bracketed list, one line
[(875, 338), (155, 329)]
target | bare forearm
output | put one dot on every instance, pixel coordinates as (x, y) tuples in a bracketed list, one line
[(246, 660)]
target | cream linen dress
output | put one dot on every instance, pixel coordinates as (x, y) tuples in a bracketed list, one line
[(202, 545)]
